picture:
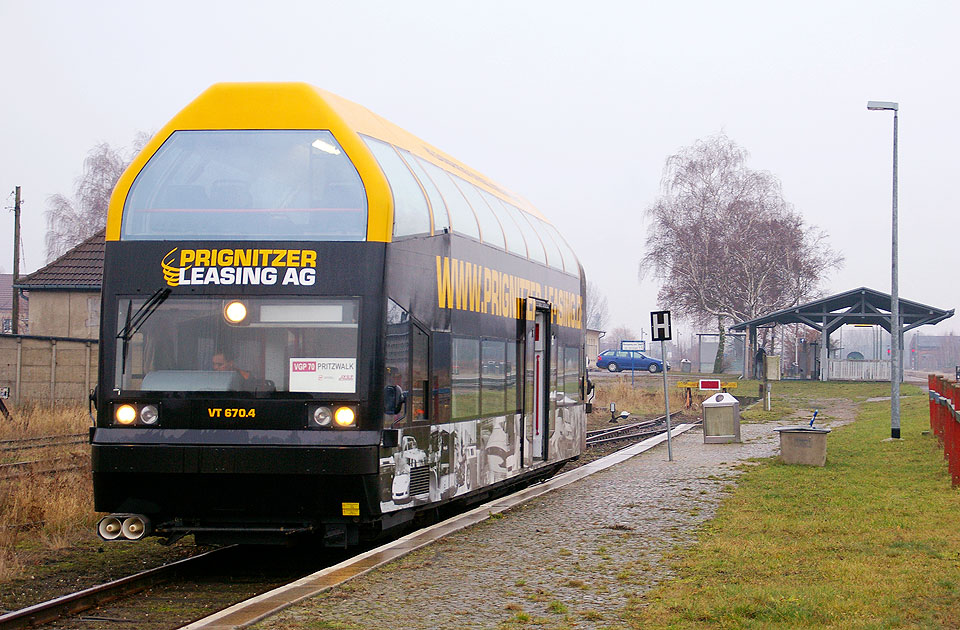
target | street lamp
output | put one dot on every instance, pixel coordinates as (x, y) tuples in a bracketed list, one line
[(896, 356)]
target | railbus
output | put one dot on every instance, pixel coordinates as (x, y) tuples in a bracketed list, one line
[(314, 324)]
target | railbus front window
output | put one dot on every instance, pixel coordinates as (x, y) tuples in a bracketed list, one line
[(247, 185), (253, 344)]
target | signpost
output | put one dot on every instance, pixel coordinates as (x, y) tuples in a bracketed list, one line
[(633, 346), (660, 329)]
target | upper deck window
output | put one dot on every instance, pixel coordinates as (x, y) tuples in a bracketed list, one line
[(247, 185), (490, 230), (441, 222), (462, 218), (410, 212)]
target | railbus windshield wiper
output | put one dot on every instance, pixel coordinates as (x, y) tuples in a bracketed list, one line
[(135, 321)]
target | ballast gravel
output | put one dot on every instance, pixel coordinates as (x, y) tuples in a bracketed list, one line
[(569, 559)]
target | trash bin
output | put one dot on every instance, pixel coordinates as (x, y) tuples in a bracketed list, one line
[(803, 445), (721, 419), (685, 365)]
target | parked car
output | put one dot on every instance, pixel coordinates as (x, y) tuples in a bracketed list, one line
[(617, 360)]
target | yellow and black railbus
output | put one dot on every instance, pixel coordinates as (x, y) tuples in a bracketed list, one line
[(314, 323)]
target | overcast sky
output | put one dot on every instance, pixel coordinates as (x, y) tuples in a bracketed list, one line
[(575, 106)]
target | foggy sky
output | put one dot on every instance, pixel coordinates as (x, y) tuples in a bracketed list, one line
[(573, 106)]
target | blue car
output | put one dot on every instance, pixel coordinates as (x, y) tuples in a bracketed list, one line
[(617, 360)]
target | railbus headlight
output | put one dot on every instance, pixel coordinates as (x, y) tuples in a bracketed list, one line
[(235, 312), (126, 414), (345, 417), (322, 416), (149, 414)]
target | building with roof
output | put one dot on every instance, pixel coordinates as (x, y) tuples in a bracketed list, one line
[(64, 296), (6, 306)]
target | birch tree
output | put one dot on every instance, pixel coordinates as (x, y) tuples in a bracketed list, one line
[(71, 220), (724, 243)]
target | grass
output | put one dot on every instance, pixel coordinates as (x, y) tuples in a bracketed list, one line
[(867, 541), (43, 512), (640, 401)]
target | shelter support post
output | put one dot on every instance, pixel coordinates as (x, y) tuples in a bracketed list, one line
[(824, 351)]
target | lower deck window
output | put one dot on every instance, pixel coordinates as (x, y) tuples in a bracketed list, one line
[(221, 344)]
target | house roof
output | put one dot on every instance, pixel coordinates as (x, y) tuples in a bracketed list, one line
[(81, 268), (856, 306)]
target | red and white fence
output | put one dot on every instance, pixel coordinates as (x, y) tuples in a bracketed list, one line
[(945, 420)]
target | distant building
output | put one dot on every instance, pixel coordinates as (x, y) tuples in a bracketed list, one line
[(933, 352), (593, 346), (65, 295), (6, 307)]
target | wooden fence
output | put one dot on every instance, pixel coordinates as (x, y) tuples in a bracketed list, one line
[(47, 369), (945, 421)]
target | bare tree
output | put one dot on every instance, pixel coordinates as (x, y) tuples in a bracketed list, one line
[(611, 341), (725, 244), (596, 307), (72, 220)]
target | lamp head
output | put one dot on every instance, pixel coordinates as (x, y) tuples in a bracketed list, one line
[(883, 105)]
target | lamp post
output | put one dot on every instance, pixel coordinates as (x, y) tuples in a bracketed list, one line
[(896, 356)]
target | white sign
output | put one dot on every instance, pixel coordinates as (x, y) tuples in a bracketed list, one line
[(330, 375), (660, 325), (637, 346)]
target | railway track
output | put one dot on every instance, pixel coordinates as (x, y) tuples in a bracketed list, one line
[(74, 603), (46, 441), (176, 593), (38, 465), (116, 606), (636, 431)]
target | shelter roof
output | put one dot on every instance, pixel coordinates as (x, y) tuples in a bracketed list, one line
[(81, 268), (856, 306)]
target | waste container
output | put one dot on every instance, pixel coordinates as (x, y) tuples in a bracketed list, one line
[(803, 445), (721, 419), (685, 365)]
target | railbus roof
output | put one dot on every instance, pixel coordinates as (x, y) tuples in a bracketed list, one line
[(275, 106)]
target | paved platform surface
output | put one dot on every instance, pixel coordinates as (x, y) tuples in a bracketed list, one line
[(570, 559)]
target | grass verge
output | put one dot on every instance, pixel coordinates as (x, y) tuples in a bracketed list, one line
[(865, 542)]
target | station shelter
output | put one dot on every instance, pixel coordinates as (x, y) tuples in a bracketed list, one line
[(826, 315)]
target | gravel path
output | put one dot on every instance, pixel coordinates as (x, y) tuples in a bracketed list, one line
[(570, 559)]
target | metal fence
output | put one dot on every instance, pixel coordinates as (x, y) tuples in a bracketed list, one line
[(47, 369), (945, 422)]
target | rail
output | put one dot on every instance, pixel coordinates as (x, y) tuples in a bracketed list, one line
[(945, 420), (67, 605)]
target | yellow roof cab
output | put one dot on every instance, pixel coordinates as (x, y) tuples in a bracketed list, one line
[(298, 106)]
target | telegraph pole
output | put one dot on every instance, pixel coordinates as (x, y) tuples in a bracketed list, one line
[(16, 263)]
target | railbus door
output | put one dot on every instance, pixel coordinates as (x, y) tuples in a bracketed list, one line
[(535, 374)]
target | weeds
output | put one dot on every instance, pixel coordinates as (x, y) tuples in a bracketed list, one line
[(44, 510)]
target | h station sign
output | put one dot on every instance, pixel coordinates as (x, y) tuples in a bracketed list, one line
[(660, 325), (660, 331)]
